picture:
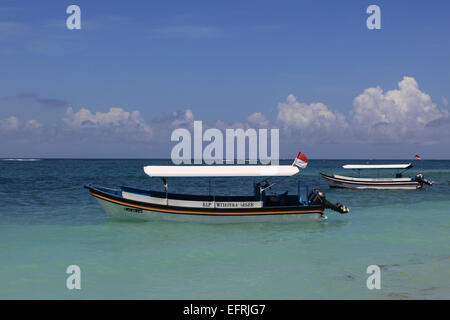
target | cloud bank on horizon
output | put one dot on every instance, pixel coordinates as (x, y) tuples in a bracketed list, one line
[(405, 115)]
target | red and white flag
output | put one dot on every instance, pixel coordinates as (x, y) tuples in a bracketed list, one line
[(301, 161)]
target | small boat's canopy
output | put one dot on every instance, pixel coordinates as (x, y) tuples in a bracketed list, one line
[(221, 171), (377, 166)]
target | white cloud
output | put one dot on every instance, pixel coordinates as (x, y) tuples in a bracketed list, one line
[(116, 120), (33, 125), (17, 130), (402, 115), (396, 115), (258, 120), (182, 118), (9, 124), (127, 125), (444, 101), (314, 119)]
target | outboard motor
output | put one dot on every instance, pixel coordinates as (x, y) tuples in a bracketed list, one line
[(317, 197), (420, 179)]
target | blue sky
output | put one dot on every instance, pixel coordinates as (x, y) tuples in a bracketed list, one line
[(223, 61)]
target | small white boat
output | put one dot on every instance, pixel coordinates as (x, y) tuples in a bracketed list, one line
[(126, 203), (358, 182)]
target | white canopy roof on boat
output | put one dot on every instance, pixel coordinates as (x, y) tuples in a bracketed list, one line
[(221, 171), (377, 166)]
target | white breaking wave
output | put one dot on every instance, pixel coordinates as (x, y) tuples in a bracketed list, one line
[(19, 159)]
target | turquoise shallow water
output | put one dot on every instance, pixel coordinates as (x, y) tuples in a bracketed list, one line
[(48, 222)]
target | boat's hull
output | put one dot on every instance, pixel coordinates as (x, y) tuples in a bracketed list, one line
[(126, 213), (119, 208), (354, 183)]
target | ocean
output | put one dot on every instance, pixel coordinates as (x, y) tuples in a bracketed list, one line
[(48, 222)]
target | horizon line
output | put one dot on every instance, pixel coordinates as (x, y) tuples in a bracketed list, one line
[(281, 159)]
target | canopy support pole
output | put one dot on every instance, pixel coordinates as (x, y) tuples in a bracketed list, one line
[(214, 192), (166, 187), (300, 200)]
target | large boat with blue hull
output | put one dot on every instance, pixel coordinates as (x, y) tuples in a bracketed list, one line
[(128, 203)]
